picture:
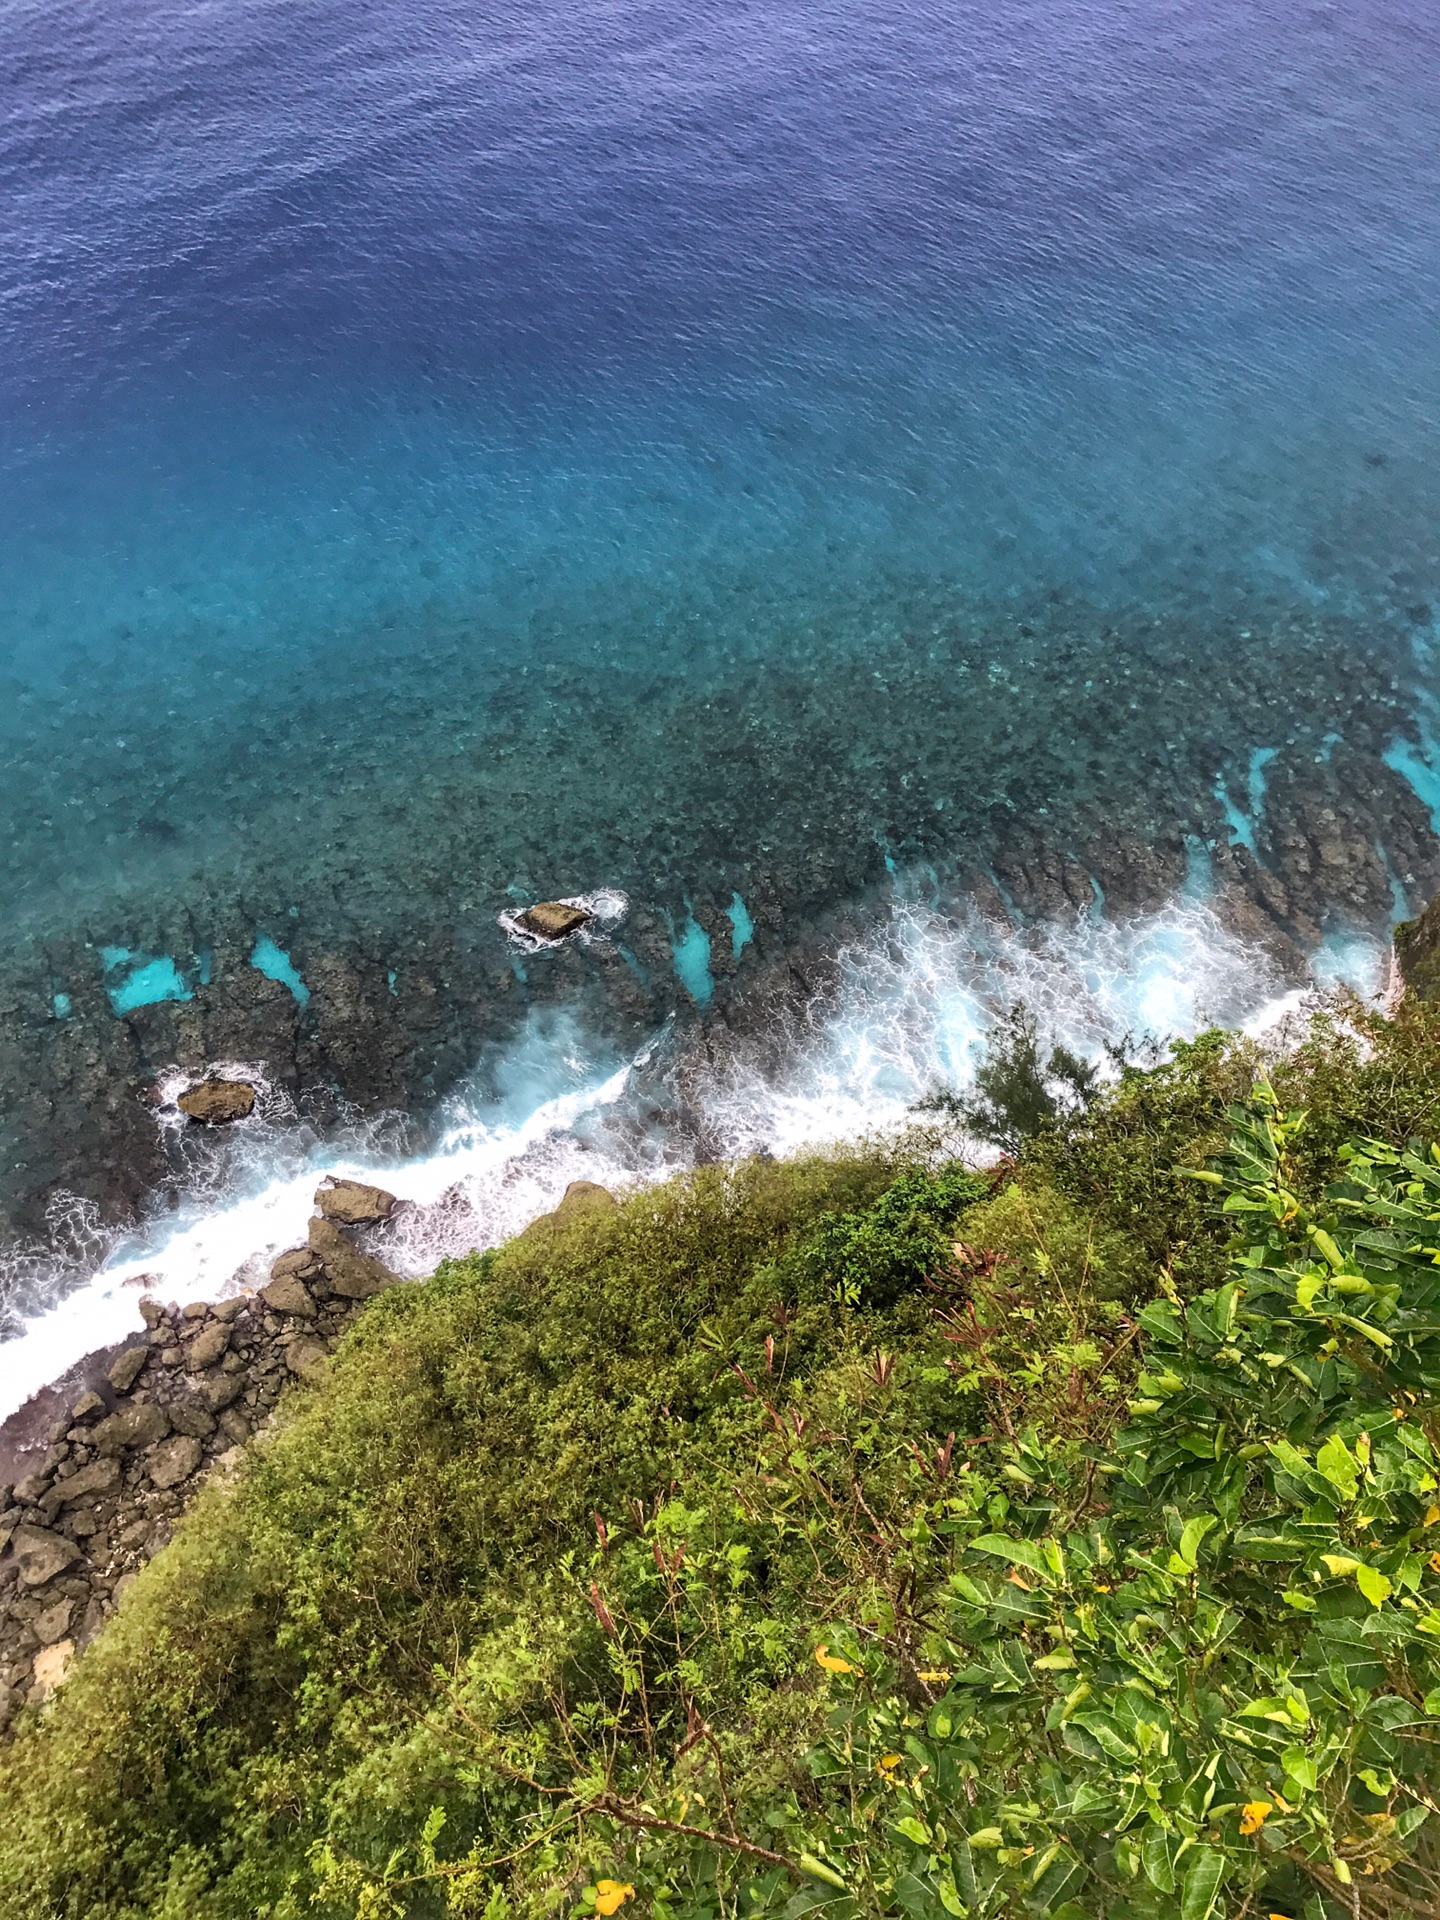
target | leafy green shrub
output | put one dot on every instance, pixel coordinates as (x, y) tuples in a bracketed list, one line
[(1195, 1673), (853, 1536)]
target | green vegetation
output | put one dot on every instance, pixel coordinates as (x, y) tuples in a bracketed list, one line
[(860, 1535)]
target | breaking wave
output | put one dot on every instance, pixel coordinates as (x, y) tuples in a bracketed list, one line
[(908, 1015)]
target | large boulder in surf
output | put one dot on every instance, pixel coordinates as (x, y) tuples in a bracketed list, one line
[(215, 1102), (354, 1204), (1417, 949), (553, 920)]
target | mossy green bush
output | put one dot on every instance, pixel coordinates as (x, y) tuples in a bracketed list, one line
[(641, 1564)]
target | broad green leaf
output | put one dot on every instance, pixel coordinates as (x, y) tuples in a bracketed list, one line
[(962, 1871), (1339, 1563), (1205, 1871), (1156, 1860), (1339, 1467), (1193, 1532), (1300, 1768), (1020, 1553), (1373, 1584)]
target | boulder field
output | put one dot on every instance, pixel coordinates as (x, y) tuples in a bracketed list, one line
[(169, 1408)]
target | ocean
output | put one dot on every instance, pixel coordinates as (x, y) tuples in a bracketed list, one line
[(920, 506)]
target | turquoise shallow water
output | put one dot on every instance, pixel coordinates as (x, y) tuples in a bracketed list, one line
[(719, 453)]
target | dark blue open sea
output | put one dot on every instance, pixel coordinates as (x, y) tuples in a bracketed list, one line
[(924, 503)]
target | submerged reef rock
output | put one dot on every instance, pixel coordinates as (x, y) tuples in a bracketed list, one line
[(553, 920), (215, 1103), (1417, 950), (354, 1204)]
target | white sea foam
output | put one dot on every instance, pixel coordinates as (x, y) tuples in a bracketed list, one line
[(909, 1015)]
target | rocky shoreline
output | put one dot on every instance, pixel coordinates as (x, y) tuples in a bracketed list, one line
[(106, 1461), (95, 1470)]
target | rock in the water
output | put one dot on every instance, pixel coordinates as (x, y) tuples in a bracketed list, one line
[(52, 1668), (98, 1477), (207, 1347), (353, 1204), (553, 920), (138, 1426), (41, 1554), (305, 1357), (173, 1460), (352, 1274), (289, 1294), (1417, 949), (214, 1103), (127, 1367)]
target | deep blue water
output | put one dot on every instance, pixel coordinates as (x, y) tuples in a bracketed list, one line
[(354, 357)]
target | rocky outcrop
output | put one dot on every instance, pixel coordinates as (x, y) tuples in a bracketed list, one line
[(215, 1103), (1417, 951), (553, 920), (352, 1274), (172, 1407), (580, 1197), (353, 1204)]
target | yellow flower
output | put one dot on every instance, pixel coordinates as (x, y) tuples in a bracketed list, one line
[(831, 1663), (1432, 1514), (887, 1761), (936, 1679), (1254, 1814), (610, 1896), (1435, 1563)]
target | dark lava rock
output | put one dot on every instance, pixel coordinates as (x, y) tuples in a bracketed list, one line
[(136, 1427), (128, 1368), (352, 1274), (173, 1460), (305, 1357), (207, 1347), (289, 1294), (553, 920), (188, 1416), (98, 1477), (42, 1554), (300, 1263), (217, 1390), (1417, 948), (353, 1204), (215, 1103)]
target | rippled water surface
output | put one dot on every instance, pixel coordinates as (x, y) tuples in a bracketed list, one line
[(453, 454)]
